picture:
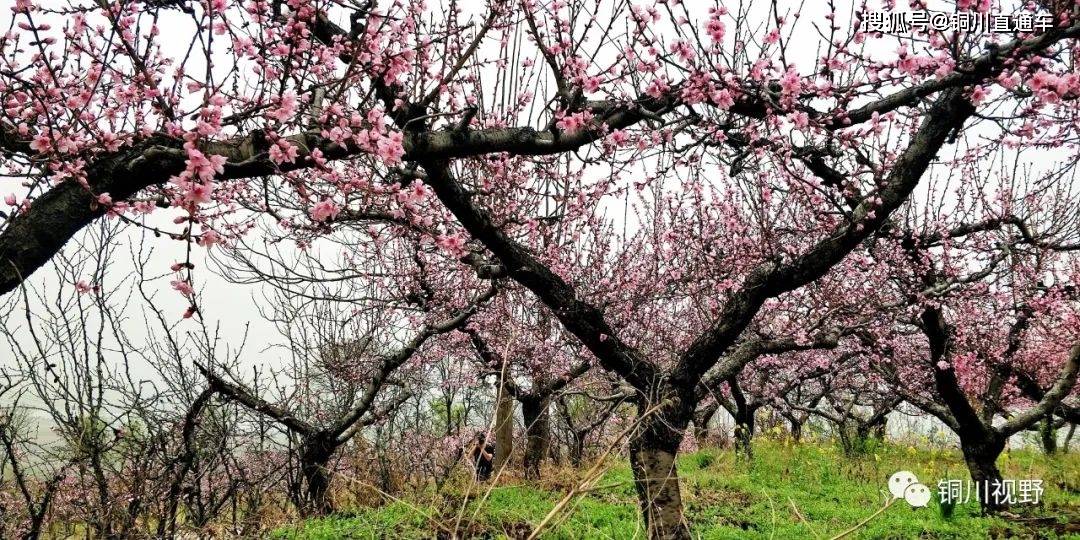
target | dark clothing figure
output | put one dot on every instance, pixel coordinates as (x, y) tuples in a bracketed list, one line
[(482, 459)]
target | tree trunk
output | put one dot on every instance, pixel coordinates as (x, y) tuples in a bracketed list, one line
[(744, 418), (879, 428), (843, 431), (865, 432), (653, 447), (577, 449), (38, 515), (504, 430), (37, 521), (534, 412), (554, 448), (1048, 435), (979, 442), (744, 431), (796, 428), (315, 469), (186, 462), (106, 517), (702, 417), (981, 458)]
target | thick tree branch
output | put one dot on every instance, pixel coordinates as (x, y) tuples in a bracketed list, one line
[(31, 238), (374, 416), (771, 279), (939, 337), (752, 349), (1062, 386), (393, 361), (248, 398), (969, 72), (560, 382), (582, 319)]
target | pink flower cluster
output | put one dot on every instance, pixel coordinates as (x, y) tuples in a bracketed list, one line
[(714, 27), (196, 181), (286, 108), (790, 87), (183, 287), (571, 123), (453, 244), (1051, 88), (325, 210)]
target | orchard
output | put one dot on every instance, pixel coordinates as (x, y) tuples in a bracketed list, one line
[(266, 264)]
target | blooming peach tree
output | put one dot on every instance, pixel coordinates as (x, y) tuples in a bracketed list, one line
[(657, 175)]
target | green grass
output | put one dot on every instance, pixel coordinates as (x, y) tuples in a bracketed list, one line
[(727, 497)]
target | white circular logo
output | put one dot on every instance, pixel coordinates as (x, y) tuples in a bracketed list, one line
[(899, 482), (917, 495)]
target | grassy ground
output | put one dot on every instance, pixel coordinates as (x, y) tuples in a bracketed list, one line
[(728, 497)]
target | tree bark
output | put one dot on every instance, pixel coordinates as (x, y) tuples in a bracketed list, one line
[(653, 448), (744, 419), (846, 443), (796, 426), (981, 458), (1048, 435), (981, 444), (577, 450), (534, 412), (744, 432), (184, 462), (504, 430), (315, 467), (874, 428), (702, 417), (656, 441)]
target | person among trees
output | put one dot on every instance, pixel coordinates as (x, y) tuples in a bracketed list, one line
[(482, 455)]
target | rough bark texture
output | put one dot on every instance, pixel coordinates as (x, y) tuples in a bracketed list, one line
[(796, 426), (657, 484), (504, 430), (744, 433), (702, 417), (315, 455), (534, 413), (743, 414), (662, 422), (981, 459), (1048, 435)]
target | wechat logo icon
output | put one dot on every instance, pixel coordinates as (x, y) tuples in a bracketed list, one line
[(904, 485)]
